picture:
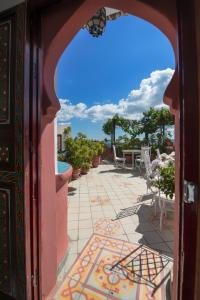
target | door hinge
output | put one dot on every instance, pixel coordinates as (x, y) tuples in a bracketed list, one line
[(190, 192), (34, 279)]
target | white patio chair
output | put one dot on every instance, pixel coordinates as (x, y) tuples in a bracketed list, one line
[(150, 177), (139, 161), (119, 161), (166, 205), (158, 153)]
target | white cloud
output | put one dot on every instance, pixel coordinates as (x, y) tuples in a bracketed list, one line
[(150, 93)]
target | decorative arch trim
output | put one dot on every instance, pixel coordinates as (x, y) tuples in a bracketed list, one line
[(65, 24)]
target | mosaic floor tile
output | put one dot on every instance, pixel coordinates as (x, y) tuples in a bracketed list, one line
[(106, 226), (99, 200), (97, 274)]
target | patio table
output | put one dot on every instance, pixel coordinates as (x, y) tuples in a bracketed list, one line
[(133, 152)]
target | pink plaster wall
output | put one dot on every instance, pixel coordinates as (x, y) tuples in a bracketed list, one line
[(53, 211), (61, 214), (48, 247)]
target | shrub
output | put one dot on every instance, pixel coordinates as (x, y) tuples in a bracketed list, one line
[(166, 181)]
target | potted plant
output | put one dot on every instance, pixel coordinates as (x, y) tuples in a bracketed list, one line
[(85, 168), (98, 148), (74, 156), (166, 180), (87, 155), (75, 160)]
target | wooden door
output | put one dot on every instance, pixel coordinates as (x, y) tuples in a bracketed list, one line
[(189, 147), (15, 274)]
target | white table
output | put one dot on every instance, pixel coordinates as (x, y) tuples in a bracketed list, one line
[(133, 153)]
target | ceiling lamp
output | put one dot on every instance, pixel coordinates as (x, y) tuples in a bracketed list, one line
[(96, 25)]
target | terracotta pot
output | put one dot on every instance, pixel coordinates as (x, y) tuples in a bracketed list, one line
[(76, 173), (84, 171), (96, 161)]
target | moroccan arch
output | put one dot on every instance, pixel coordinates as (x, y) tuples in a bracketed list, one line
[(60, 23), (64, 28)]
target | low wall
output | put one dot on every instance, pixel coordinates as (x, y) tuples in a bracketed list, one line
[(61, 214)]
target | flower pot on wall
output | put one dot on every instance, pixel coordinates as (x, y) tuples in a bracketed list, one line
[(76, 173), (96, 161)]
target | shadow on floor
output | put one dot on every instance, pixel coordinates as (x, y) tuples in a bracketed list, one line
[(71, 191), (133, 173), (148, 226), (144, 266)]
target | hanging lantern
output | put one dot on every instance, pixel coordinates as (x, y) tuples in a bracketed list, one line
[(96, 25)]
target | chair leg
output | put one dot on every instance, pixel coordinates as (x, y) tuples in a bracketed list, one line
[(155, 206), (161, 220)]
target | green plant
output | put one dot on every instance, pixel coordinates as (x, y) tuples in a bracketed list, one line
[(73, 152), (132, 127), (85, 166), (97, 148), (166, 181)]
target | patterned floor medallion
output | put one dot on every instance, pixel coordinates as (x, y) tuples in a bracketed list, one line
[(94, 275), (99, 200), (106, 226)]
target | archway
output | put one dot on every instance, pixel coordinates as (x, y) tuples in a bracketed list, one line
[(56, 40)]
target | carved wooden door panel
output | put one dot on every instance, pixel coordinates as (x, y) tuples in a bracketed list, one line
[(12, 211)]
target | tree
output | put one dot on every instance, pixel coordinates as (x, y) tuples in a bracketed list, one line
[(149, 122), (67, 131), (132, 127), (81, 136), (164, 118), (154, 120), (110, 125)]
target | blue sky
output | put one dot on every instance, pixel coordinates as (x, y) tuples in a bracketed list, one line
[(124, 71)]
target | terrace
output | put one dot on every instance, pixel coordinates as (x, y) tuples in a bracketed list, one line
[(105, 205)]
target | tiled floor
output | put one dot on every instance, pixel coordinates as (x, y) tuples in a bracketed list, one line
[(97, 274), (94, 202)]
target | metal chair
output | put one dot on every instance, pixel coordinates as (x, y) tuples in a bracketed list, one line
[(119, 161)]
